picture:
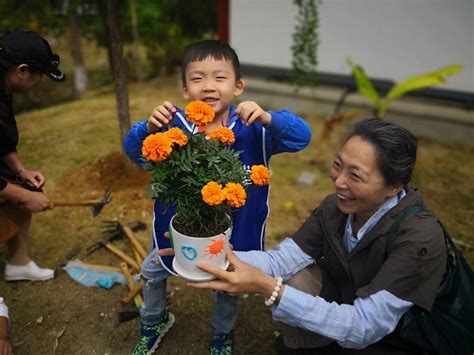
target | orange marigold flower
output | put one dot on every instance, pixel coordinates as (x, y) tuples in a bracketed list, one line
[(212, 193), (223, 135), (260, 175), (176, 135), (199, 112), (156, 147), (235, 194)]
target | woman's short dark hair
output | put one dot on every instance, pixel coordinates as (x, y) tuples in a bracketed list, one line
[(199, 51), (395, 146)]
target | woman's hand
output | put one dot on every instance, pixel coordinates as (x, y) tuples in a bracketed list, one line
[(5, 347), (241, 278), (37, 202), (33, 178)]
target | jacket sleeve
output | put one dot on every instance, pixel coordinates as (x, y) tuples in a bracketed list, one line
[(134, 140), (287, 133)]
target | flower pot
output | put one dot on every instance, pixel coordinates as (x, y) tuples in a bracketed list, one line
[(189, 251)]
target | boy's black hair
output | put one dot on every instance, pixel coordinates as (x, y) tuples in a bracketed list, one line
[(199, 51), (395, 146)]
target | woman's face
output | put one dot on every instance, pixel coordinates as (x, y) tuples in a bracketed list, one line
[(360, 186)]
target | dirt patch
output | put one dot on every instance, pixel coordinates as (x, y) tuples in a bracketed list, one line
[(63, 317)]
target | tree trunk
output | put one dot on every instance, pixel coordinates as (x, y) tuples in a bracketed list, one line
[(80, 74), (117, 64), (136, 41)]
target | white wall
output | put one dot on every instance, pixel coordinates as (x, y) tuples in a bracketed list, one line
[(391, 39)]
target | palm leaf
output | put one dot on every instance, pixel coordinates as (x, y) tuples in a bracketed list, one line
[(422, 81), (364, 85)]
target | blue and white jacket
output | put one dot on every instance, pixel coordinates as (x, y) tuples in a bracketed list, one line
[(286, 133)]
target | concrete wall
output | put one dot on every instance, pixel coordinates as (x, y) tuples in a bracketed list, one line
[(427, 118), (391, 39)]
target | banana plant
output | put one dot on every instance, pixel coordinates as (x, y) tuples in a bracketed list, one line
[(422, 81)]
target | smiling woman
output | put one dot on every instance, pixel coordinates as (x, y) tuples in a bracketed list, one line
[(339, 282), (372, 167)]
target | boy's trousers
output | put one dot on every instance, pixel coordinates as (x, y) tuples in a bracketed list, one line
[(225, 308)]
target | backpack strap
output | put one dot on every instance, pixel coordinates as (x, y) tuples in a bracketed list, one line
[(393, 231)]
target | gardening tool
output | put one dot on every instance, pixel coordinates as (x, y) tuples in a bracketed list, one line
[(96, 205), (126, 315), (131, 284), (113, 230), (121, 254), (135, 291), (76, 249), (138, 251)]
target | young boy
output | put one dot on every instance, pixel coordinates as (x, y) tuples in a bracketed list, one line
[(211, 73)]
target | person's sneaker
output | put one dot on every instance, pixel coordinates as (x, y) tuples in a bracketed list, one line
[(30, 272), (222, 344), (151, 335)]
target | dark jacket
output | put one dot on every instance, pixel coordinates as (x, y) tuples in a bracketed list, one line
[(8, 133), (412, 268)]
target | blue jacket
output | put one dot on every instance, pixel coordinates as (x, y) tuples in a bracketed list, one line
[(286, 133)]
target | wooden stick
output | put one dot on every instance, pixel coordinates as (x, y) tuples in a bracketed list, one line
[(129, 296), (131, 284), (135, 243), (137, 256), (74, 203), (102, 267), (123, 256)]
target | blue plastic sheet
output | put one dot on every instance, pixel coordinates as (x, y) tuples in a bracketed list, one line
[(88, 276)]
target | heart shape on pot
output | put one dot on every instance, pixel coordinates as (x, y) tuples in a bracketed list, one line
[(189, 251)]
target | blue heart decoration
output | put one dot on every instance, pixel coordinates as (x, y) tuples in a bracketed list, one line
[(189, 251)]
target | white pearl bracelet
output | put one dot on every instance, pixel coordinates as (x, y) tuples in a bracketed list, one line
[(276, 291)]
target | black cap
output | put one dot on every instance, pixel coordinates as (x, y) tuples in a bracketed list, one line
[(27, 47)]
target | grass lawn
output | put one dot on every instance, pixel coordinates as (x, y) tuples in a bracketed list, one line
[(77, 147)]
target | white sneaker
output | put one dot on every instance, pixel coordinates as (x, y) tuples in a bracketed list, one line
[(30, 271)]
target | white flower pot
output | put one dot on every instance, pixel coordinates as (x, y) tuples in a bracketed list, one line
[(189, 251)]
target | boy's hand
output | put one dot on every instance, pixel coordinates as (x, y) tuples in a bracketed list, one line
[(250, 112), (161, 116)]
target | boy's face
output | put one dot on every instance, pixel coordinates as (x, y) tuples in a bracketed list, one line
[(212, 81)]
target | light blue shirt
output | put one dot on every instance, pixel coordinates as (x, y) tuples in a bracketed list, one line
[(352, 326), (3, 309)]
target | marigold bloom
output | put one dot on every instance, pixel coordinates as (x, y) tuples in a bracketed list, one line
[(156, 147), (176, 135), (199, 112), (212, 193), (235, 194), (260, 175), (223, 135)]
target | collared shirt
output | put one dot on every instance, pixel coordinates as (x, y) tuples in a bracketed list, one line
[(349, 240), (3, 308), (352, 326)]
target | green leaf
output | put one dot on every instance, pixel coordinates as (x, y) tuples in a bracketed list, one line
[(364, 85), (422, 81), (450, 70)]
